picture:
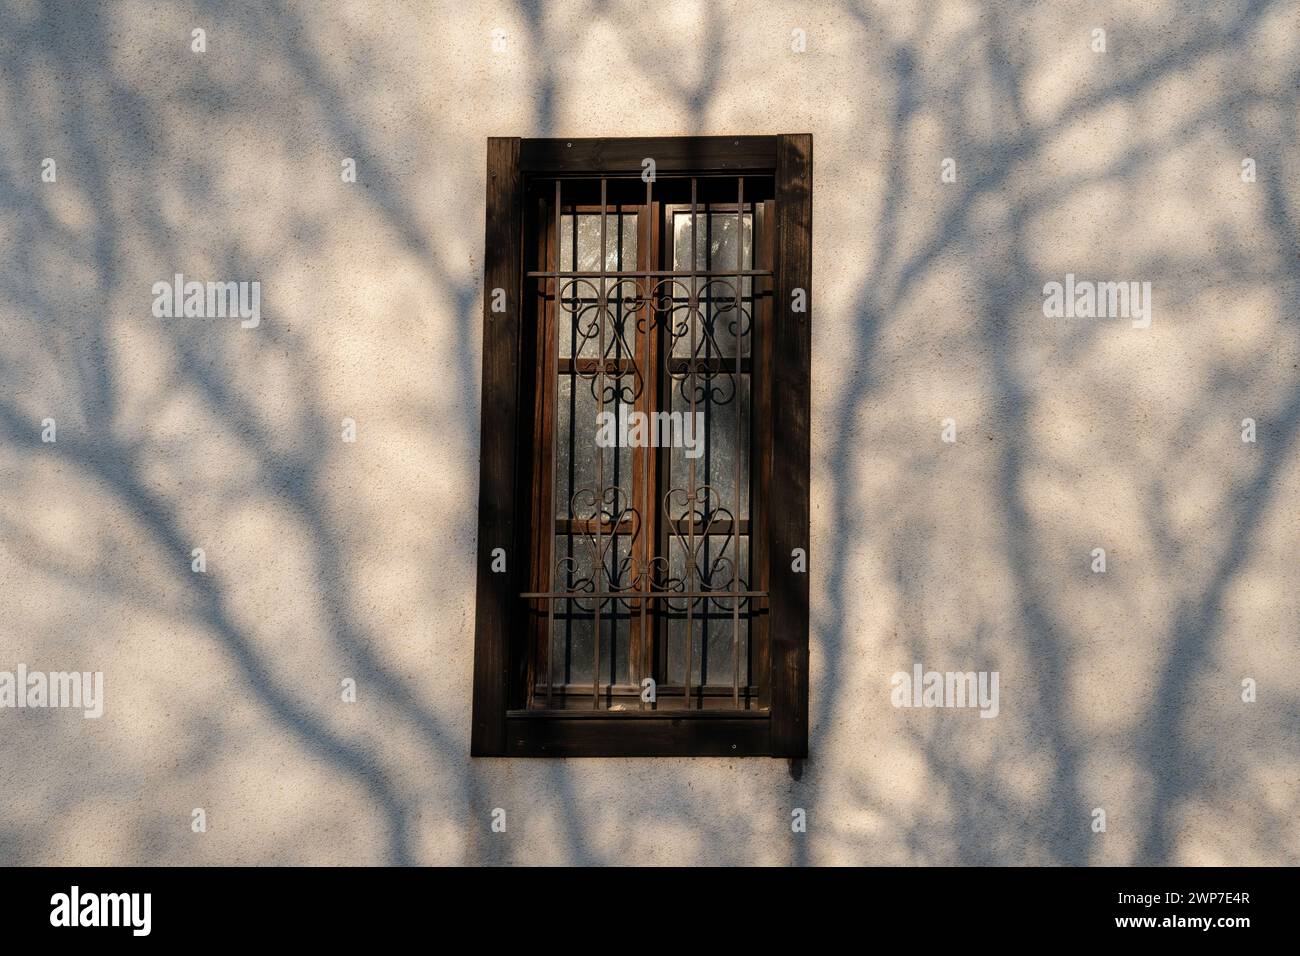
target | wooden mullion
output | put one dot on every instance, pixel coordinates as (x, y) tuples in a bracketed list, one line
[(641, 626)]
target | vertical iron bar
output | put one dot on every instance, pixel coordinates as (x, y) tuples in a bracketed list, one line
[(735, 518), (646, 505), (600, 457), (691, 311), (549, 524)]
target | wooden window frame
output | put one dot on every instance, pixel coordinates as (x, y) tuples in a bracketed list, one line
[(504, 522)]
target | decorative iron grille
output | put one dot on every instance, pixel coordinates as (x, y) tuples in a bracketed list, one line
[(652, 314)]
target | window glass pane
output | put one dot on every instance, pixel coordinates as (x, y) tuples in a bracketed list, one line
[(715, 248), (712, 623), (574, 626), (578, 328), (716, 326), (584, 246), (718, 399), (576, 452)]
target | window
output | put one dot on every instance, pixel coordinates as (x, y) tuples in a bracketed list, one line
[(643, 507)]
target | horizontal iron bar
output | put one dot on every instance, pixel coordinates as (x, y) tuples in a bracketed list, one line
[(677, 363), (648, 274), (718, 528), (667, 713), (587, 177), (587, 595), (618, 690)]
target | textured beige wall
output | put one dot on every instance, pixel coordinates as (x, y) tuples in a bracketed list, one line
[(329, 560)]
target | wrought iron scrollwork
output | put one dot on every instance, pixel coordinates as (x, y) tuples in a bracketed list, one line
[(625, 310)]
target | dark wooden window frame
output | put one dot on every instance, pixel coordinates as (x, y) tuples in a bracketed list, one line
[(499, 726)]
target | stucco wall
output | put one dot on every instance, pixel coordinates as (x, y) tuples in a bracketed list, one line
[(327, 559)]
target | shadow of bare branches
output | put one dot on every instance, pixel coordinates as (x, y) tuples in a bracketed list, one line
[(176, 434)]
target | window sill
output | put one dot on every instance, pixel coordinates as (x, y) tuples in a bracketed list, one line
[(651, 733)]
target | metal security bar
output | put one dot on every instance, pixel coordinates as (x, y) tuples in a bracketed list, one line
[(654, 341)]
